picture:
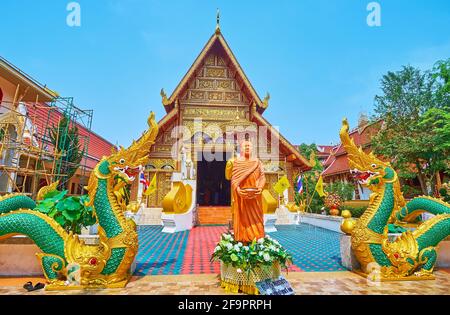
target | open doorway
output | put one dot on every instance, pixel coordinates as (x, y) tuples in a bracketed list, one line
[(212, 188)]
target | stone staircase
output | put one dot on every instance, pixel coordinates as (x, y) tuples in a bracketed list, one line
[(150, 216), (214, 215)]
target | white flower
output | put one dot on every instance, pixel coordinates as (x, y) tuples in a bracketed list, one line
[(261, 240), (217, 249), (237, 248), (277, 250), (271, 247), (229, 246), (240, 244), (239, 270), (268, 236), (224, 236), (261, 253), (266, 257), (246, 248), (276, 242)]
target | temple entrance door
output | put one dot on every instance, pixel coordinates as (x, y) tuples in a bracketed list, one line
[(213, 191)]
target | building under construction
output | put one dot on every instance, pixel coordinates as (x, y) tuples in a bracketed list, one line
[(43, 137)]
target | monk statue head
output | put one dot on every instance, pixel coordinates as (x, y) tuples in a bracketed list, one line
[(246, 149)]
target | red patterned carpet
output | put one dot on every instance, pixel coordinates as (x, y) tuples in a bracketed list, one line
[(201, 243)]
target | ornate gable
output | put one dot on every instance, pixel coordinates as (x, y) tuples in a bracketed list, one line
[(215, 83)]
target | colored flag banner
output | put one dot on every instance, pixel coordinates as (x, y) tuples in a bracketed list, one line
[(299, 184), (281, 185), (319, 187), (144, 181), (151, 187)]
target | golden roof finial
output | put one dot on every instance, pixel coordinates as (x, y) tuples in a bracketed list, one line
[(218, 22)]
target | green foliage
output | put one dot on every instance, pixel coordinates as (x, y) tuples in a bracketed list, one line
[(66, 140), (414, 107), (258, 254), (343, 190), (356, 212), (310, 179), (70, 212), (445, 194)]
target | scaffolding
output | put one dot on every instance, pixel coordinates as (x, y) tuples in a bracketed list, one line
[(29, 158)]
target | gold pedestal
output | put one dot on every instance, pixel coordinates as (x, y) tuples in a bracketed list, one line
[(235, 282)]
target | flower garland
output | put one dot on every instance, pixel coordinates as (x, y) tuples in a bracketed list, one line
[(261, 253)]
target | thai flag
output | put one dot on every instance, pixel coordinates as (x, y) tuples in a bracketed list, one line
[(144, 181), (299, 184)]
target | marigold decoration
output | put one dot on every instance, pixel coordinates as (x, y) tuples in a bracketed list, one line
[(333, 201), (244, 265)]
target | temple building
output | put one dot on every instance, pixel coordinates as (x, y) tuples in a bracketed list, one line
[(213, 96)]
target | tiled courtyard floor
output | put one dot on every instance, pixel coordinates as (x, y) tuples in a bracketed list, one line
[(304, 283), (189, 252)]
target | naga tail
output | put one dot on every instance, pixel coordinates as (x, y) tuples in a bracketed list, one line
[(17, 218), (420, 205)]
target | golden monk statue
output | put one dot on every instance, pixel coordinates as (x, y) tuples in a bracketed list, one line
[(247, 183)]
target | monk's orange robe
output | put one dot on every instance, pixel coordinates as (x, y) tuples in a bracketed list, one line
[(248, 213)]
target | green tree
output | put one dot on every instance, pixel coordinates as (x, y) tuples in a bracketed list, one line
[(310, 179), (65, 139), (412, 106), (342, 189)]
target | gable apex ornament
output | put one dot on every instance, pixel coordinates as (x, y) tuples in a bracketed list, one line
[(218, 22)]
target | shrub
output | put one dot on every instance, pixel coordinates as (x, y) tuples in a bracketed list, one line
[(355, 211), (70, 212)]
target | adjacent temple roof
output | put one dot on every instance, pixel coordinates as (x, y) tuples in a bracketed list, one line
[(337, 162)]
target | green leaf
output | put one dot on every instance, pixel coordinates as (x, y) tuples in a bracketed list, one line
[(234, 257), (71, 215), (53, 212), (72, 204), (61, 220)]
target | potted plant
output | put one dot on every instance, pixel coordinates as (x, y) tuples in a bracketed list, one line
[(333, 201)]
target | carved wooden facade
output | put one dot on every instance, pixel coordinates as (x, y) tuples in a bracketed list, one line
[(214, 92)]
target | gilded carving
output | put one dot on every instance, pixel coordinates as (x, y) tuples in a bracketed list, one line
[(215, 96), (224, 84), (220, 61), (160, 163), (216, 72), (205, 84), (212, 113), (197, 95), (230, 96), (210, 60)]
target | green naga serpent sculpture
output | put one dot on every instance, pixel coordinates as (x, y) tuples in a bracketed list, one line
[(107, 264), (413, 253)]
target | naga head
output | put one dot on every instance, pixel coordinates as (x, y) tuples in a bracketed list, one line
[(126, 164), (366, 168)]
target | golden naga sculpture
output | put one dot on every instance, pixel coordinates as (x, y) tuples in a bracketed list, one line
[(107, 264), (413, 254), (179, 199)]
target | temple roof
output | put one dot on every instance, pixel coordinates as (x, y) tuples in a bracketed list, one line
[(337, 162), (217, 41)]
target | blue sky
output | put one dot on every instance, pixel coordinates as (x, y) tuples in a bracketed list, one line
[(318, 59)]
